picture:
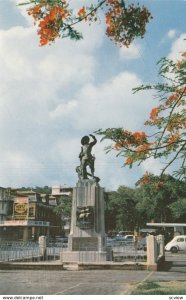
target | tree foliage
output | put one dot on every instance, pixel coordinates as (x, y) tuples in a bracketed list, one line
[(64, 206), (167, 121), (128, 208), (178, 209), (156, 204), (45, 190), (120, 209), (38, 189), (56, 19)]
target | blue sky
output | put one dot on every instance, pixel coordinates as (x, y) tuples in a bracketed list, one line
[(52, 96)]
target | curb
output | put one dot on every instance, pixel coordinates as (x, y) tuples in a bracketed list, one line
[(69, 266)]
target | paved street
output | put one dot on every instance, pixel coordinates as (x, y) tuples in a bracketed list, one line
[(94, 282), (18, 282), (70, 282), (177, 261)]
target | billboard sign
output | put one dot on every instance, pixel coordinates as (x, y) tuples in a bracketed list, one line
[(20, 211)]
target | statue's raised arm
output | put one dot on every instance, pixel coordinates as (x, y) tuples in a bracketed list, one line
[(94, 139)]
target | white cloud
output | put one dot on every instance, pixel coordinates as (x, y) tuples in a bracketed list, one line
[(178, 47), (171, 33), (110, 104), (52, 96), (63, 109), (110, 168), (18, 168), (50, 99), (133, 52), (33, 81), (152, 165), (23, 10)]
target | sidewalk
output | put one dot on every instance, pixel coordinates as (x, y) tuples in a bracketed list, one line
[(76, 266)]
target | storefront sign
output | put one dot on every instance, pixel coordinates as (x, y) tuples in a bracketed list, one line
[(20, 211), (14, 223), (21, 200)]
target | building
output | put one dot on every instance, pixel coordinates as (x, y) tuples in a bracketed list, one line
[(58, 191), (5, 203), (6, 207), (30, 217)]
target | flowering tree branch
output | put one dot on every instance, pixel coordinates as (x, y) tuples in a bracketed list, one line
[(55, 19), (168, 120)]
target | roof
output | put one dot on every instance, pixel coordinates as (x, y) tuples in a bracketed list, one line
[(166, 224), (147, 230)]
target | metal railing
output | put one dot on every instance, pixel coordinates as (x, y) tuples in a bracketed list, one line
[(27, 251), (53, 250), (128, 252), (14, 251)]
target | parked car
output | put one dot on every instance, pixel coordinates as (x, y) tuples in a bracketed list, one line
[(178, 243), (116, 241), (110, 241), (120, 240), (142, 244), (124, 233), (129, 239), (58, 241), (61, 239)]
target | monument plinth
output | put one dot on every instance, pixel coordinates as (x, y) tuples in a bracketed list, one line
[(87, 239)]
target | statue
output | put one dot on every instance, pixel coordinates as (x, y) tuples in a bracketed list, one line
[(86, 158)]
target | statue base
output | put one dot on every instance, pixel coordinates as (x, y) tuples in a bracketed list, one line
[(87, 239), (83, 256)]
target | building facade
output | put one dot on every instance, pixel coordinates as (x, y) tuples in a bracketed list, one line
[(5, 203), (31, 216)]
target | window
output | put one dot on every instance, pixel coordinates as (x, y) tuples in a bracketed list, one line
[(180, 240), (31, 211)]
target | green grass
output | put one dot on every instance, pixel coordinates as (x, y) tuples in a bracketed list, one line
[(160, 288)]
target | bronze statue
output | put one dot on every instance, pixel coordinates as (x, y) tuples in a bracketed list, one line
[(86, 158)]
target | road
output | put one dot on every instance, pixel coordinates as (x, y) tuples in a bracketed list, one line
[(176, 262), (68, 282), (94, 282), (109, 282)]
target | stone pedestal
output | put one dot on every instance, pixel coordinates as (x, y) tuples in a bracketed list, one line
[(151, 253), (42, 246), (87, 240)]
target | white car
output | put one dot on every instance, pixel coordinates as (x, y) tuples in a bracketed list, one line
[(129, 238), (178, 243)]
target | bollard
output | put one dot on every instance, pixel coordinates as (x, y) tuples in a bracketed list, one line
[(162, 245), (161, 254), (42, 247), (151, 253)]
